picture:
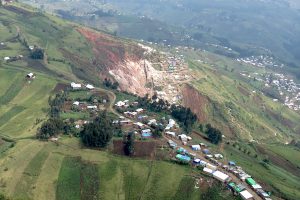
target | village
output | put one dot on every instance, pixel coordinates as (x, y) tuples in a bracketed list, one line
[(132, 117), (287, 91), (261, 61), (186, 151)]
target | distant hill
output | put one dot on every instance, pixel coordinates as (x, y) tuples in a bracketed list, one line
[(247, 27)]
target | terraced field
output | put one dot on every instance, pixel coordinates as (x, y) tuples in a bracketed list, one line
[(22, 102), (64, 171)]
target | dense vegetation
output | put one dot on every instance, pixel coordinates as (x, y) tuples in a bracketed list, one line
[(129, 144), (214, 134), (98, 133), (184, 115)]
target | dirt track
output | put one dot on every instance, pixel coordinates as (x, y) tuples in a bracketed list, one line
[(201, 156)]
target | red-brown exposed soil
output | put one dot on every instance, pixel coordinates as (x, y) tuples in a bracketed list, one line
[(195, 101), (142, 149), (118, 59), (60, 87), (110, 51)]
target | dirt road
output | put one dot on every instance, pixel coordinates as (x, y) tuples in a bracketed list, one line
[(201, 157)]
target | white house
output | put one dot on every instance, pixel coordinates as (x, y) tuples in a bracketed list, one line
[(6, 58), (75, 86), (218, 156), (220, 176), (90, 87), (30, 75), (120, 104), (139, 110), (171, 134), (76, 103), (196, 147), (92, 107), (246, 195)]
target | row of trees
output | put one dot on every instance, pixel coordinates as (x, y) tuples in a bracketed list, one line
[(56, 104), (54, 126)]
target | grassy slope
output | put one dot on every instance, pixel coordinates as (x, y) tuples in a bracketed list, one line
[(248, 118), (50, 169)]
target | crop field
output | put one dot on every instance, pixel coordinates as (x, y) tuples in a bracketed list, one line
[(22, 101), (65, 171)]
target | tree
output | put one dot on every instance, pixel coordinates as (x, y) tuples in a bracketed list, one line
[(157, 133), (129, 144), (98, 133), (50, 128), (37, 54), (214, 135)]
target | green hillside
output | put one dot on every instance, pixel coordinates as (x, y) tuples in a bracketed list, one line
[(31, 169)]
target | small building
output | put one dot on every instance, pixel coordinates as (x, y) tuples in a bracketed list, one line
[(75, 86), (183, 158), (125, 122), (196, 161), (76, 103), (146, 133), (172, 144), (183, 137), (93, 107), (220, 176), (6, 59), (218, 156), (210, 166), (231, 163), (203, 163), (196, 147), (152, 121), (246, 195), (205, 151), (139, 110), (30, 75), (139, 125), (130, 114), (181, 150), (90, 87), (171, 134), (120, 104), (250, 181), (207, 170)]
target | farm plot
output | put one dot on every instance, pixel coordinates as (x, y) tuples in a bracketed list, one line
[(27, 182), (22, 102), (77, 180)]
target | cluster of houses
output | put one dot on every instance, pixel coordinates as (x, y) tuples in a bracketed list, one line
[(79, 86), (137, 119), (12, 58), (260, 61), (210, 166), (288, 91)]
